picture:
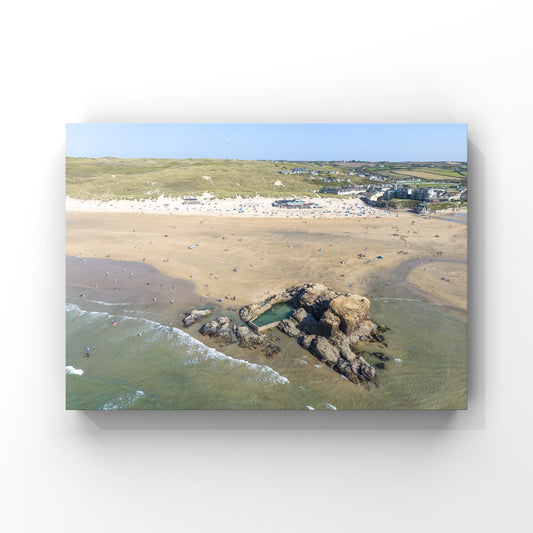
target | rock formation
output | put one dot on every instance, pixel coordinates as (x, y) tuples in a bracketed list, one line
[(272, 349), (225, 332), (326, 323), (219, 329), (247, 338), (195, 315)]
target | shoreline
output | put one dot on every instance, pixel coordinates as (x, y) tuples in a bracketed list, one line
[(135, 295), (166, 299), (306, 375)]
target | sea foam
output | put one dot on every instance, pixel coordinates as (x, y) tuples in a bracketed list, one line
[(71, 370), (263, 373), (105, 303), (122, 402), (74, 309)]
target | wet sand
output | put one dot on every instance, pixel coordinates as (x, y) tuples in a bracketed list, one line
[(442, 282), (249, 258), (93, 282)]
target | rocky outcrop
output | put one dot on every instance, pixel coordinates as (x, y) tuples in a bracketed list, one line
[(219, 329), (343, 360), (195, 315), (290, 328), (326, 323), (225, 332), (246, 338), (306, 322), (313, 298), (272, 349)]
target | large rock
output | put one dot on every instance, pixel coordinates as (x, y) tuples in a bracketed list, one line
[(306, 321), (351, 309), (306, 341), (219, 329), (329, 324), (314, 298), (249, 313), (195, 315), (357, 372), (364, 331), (344, 348), (364, 370), (323, 350), (246, 338), (290, 327), (272, 349)]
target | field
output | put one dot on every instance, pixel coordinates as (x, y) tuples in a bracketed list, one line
[(433, 174)]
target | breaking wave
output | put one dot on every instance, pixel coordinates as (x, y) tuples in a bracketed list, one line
[(105, 303), (196, 351), (71, 370), (122, 402)]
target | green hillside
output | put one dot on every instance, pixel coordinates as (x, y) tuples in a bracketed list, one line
[(112, 178)]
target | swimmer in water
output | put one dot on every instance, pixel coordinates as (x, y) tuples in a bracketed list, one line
[(87, 350)]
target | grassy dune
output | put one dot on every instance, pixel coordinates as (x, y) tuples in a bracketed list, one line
[(112, 178)]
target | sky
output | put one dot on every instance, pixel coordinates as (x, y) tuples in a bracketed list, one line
[(292, 142)]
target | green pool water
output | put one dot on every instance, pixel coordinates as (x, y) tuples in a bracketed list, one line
[(274, 314)]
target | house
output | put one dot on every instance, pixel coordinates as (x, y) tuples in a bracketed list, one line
[(342, 191), (453, 197)]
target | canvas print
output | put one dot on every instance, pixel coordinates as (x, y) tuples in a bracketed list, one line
[(266, 266)]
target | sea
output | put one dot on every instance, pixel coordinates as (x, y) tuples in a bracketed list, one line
[(127, 317)]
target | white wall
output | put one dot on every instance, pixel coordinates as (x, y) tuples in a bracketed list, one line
[(236, 61)]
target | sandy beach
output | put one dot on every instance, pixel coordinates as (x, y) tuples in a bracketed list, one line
[(237, 252), (231, 207)]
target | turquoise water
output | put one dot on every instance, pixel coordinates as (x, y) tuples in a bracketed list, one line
[(274, 314)]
